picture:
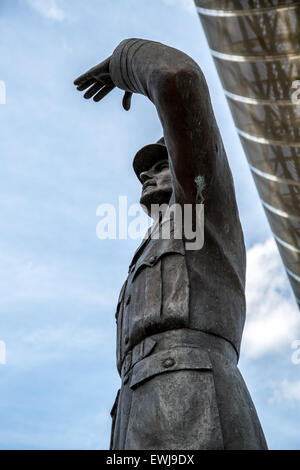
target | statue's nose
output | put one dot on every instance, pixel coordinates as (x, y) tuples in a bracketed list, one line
[(145, 176)]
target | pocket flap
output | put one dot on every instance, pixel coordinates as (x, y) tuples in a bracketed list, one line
[(167, 361), (155, 250)]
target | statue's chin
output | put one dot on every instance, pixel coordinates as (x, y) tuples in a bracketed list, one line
[(154, 197)]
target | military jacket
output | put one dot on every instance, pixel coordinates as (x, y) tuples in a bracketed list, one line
[(171, 287)]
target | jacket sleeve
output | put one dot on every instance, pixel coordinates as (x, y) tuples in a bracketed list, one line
[(177, 87)]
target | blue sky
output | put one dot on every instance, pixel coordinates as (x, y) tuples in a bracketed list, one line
[(61, 157)]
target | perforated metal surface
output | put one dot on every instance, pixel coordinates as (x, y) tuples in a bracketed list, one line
[(256, 49)]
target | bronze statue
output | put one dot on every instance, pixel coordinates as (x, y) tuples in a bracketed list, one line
[(180, 313)]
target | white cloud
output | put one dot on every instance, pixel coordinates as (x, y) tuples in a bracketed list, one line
[(89, 430), (24, 278), (49, 344), (188, 5), (287, 391), (273, 319), (68, 336), (48, 9)]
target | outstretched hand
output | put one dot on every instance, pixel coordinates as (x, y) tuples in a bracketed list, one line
[(99, 84)]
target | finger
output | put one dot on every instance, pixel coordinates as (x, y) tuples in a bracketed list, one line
[(105, 90), (127, 100), (102, 67), (86, 84), (98, 70), (91, 91), (82, 79)]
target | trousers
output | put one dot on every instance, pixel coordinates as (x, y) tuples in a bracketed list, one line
[(182, 390)]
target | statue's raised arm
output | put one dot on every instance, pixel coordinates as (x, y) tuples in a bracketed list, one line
[(176, 85)]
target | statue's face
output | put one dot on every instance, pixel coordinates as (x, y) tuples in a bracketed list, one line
[(157, 185)]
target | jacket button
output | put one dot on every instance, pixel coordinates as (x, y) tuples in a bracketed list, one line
[(152, 259), (126, 339), (169, 362)]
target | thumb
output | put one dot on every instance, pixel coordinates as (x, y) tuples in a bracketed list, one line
[(127, 100)]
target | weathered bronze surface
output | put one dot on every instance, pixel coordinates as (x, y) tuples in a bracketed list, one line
[(180, 313)]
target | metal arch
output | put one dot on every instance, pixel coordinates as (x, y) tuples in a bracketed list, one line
[(257, 57)]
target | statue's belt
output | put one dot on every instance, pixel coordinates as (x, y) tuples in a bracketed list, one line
[(176, 349)]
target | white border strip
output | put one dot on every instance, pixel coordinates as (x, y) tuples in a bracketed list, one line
[(279, 212), (263, 140), (293, 275), (254, 11), (271, 177), (248, 100), (255, 58), (285, 244)]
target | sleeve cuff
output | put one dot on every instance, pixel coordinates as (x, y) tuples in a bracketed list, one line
[(120, 70)]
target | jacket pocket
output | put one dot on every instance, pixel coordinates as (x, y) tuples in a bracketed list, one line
[(174, 404), (181, 358), (159, 286)]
